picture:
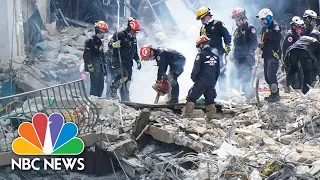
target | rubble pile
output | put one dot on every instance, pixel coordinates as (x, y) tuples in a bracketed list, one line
[(277, 141)]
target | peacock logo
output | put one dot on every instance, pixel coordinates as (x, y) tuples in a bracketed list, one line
[(48, 136)]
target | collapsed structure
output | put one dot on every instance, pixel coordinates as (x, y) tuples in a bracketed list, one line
[(140, 141)]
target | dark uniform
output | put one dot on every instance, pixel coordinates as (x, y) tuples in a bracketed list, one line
[(94, 54), (297, 78), (215, 30), (128, 52), (169, 57), (205, 74), (271, 54), (306, 51), (307, 31), (245, 43)]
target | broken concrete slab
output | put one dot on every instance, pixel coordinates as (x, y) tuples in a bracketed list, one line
[(227, 150), (269, 141), (316, 168), (160, 134), (123, 149), (141, 122)]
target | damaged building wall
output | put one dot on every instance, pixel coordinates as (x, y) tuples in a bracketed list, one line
[(12, 40)]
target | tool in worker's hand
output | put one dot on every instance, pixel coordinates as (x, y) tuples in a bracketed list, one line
[(257, 60), (162, 88), (223, 68)]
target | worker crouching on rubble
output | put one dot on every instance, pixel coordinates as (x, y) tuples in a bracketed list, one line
[(166, 57), (270, 46), (245, 43), (296, 79), (215, 30), (124, 45), (94, 59), (306, 50), (205, 74)]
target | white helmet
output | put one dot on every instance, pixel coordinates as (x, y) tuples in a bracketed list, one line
[(297, 20), (310, 13), (264, 13)]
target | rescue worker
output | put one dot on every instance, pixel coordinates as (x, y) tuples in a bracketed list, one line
[(205, 73), (125, 43), (297, 25), (306, 50), (166, 57), (94, 59), (310, 20), (215, 30), (270, 51), (245, 44)]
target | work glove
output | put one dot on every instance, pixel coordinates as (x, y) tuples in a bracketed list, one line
[(116, 44), (227, 49), (90, 68), (138, 64), (260, 45), (276, 55)]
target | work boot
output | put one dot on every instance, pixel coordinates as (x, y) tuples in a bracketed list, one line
[(210, 111), (273, 98), (189, 108)]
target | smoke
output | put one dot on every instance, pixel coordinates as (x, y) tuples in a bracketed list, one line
[(141, 90)]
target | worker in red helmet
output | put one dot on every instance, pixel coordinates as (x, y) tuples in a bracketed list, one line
[(94, 59), (205, 73), (166, 57), (125, 43)]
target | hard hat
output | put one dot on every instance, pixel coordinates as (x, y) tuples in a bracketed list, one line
[(102, 26), (161, 36), (238, 13), (298, 21), (201, 40), (264, 13), (145, 52), (134, 24), (202, 12), (310, 13), (315, 33)]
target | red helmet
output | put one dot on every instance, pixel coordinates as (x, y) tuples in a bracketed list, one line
[(201, 40), (102, 26), (145, 52), (238, 13), (134, 24)]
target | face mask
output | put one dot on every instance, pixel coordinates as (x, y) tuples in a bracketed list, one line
[(239, 22), (298, 31), (313, 23), (205, 21)]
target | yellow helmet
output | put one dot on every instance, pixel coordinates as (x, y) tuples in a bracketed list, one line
[(161, 36), (202, 12)]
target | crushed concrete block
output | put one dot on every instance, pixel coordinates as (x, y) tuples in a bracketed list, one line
[(255, 175), (194, 137), (269, 141), (292, 155), (200, 120), (14, 177), (244, 132), (204, 146), (316, 168), (286, 140), (160, 134), (123, 149), (292, 126), (200, 130), (302, 169), (227, 149)]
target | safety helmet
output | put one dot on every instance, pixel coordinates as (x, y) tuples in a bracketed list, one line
[(202, 12), (310, 13), (298, 21), (264, 13), (160, 36), (316, 34), (145, 52), (238, 13), (202, 40), (101, 26), (134, 24)]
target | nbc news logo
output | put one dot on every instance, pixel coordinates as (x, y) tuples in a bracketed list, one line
[(48, 136)]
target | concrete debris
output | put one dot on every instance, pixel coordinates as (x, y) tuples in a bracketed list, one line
[(123, 149)]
